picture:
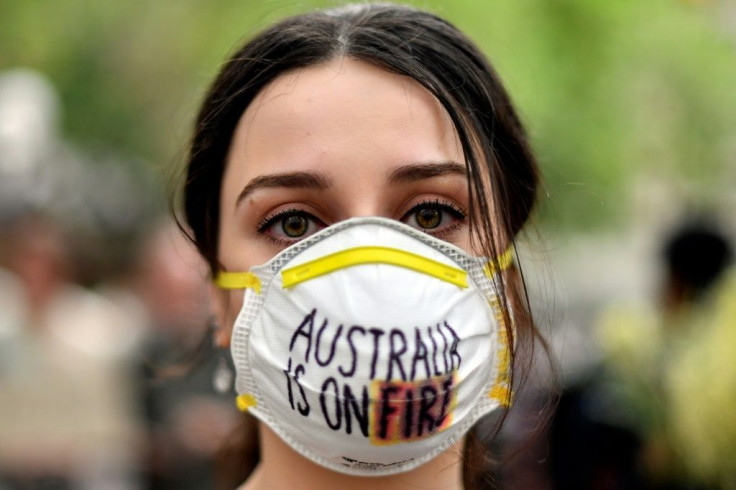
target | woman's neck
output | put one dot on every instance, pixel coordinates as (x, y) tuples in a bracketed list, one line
[(282, 467)]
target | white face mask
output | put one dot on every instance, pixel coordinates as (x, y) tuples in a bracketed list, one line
[(370, 347)]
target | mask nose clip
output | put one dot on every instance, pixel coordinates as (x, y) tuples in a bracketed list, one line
[(373, 255)]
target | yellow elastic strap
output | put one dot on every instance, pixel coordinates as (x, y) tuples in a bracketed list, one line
[(502, 263), (238, 280), (373, 255), (245, 402)]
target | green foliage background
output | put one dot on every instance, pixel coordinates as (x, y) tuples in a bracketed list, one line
[(609, 89)]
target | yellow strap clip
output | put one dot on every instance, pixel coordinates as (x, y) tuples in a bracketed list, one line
[(245, 402), (238, 280), (502, 263), (501, 394)]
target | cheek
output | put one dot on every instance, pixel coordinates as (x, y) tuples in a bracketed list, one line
[(464, 241)]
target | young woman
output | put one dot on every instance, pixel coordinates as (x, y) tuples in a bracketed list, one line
[(356, 180)]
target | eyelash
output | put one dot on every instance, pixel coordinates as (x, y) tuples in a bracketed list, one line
[(272, 218), (443, 205)]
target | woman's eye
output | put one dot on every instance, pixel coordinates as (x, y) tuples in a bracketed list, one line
[(428, 218), (290, 226), (434, 216), (295, 226)]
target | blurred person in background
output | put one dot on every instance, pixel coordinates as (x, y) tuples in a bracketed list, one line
[(67, 409), (83, 370), (68, 404), (186, 388), (699, 382), (668, 388)]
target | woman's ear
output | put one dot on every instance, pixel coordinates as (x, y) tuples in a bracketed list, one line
[(219, 303)]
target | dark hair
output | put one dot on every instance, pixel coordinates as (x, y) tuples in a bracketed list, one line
[(400, 40), (696, 255)]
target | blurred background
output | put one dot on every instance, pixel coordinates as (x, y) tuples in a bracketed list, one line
[(631, 108)]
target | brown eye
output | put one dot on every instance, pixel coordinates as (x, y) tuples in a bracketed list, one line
[(289, 226), (428, 218), (295, 226), (436, 217)]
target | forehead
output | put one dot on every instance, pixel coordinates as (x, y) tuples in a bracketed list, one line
[(340, 111)]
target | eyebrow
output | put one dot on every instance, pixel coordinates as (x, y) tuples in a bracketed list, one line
[(421, 171), (318, 181), (290, 180)]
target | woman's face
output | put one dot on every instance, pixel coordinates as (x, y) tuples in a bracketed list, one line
[(330, 142)]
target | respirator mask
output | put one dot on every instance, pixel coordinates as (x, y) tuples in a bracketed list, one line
[(371, 347)]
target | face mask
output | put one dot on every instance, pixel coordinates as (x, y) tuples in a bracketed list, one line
[(370, 347)]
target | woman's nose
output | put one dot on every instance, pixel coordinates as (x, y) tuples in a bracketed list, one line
[(364, 199)]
